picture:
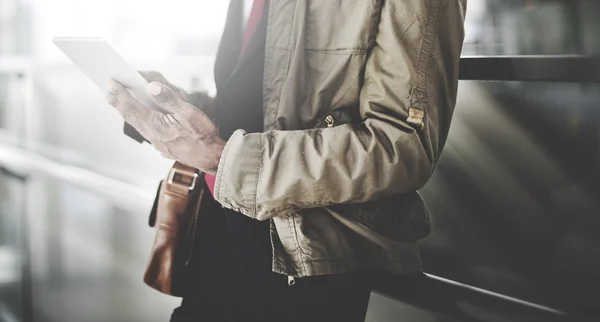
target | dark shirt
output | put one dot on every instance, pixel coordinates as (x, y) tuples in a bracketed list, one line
[(247, 263)]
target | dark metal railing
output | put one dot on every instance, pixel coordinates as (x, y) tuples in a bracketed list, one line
[(579, 69)]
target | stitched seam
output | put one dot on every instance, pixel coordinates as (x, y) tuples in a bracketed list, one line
[(278, 211), (301, 254), (389, 260), (317, 260), (337, 53), (289, 62), (257, 175), (221, 170), (291, 218), (346, 49), (322, 203), (425, 54), (339, 48), (375, 24), (268, 60)]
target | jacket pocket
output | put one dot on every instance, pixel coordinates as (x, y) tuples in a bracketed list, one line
[(331, 25)]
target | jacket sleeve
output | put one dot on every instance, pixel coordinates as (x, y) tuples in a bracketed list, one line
[(406, 103)]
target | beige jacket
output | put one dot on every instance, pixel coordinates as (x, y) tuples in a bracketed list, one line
[(358, 98)]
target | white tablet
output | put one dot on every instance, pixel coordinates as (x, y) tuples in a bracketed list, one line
[(101, 63)]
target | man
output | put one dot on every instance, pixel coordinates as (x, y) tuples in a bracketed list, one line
[(329, 116)]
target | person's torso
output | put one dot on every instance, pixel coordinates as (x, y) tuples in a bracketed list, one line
[(315, 55)]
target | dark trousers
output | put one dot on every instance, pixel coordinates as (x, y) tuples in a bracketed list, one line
[(322, 298)]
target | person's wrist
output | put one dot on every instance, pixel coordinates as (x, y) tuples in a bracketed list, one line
[(216, 150)]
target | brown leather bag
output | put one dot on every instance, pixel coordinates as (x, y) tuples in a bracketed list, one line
[(175, 215)]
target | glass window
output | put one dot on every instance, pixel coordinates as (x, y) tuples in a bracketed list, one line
[(11, 249), (13, 97), (47, 99), (514, 197), (532, 27), (89, 254), (15, 27), (88, 257)]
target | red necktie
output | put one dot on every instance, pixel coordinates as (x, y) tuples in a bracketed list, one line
[(258, 8), (256, 15)]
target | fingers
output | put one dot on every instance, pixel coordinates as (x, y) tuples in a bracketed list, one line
[(165, 96), (157, 128), (169, 128), (185, 113), (173, 101), (112, 99), (169, 119), (132, 111), (152, 76)]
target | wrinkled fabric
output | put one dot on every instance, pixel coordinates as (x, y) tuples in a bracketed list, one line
[(358, 99)]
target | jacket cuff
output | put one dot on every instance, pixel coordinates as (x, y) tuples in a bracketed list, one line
[(238, 173)]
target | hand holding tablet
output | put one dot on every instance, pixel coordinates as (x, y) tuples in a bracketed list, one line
[(177, 129), (101, 63)]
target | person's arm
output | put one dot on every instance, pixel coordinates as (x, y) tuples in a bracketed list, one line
[(406, 102)]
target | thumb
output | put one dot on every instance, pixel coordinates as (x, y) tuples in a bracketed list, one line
[(163, 95), (185, 113)]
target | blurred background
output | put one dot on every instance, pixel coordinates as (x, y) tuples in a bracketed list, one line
[(514, 199)]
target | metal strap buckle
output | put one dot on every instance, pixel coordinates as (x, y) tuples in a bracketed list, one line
[(183, 178)]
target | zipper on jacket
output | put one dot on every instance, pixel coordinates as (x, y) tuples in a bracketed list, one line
[(330, 121), (195, 228), (291, 281)]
